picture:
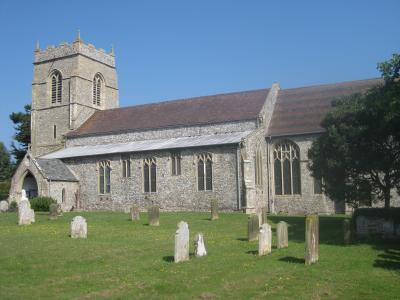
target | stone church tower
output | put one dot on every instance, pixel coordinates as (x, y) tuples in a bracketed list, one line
[(70, 82)]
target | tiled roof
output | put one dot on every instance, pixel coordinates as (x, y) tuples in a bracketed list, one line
[(301, 110), (55, 169), (214, 109)]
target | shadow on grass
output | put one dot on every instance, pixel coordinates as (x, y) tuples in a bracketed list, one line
[(242, 239), (293, 260), (390, 258), (253, 252), (169, 258)]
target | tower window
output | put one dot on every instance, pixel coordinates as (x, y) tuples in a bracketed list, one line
[(56, 87), (204, 172), (55, 131), (150, 176), (97, 85)]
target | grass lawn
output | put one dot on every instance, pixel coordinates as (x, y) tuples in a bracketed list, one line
[(126, 260)]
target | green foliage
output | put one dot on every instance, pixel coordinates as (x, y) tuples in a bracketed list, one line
[(41, 203), (22, 126), (390, 69), (4, 189), (6, 167), (358, 155)]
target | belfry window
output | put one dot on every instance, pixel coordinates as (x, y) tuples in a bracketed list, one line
[(258, 167), (104, 177), (287, 168), (149, 174), (56, 87), (204, 172), (97, 86)]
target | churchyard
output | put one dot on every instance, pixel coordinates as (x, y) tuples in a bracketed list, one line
[(128, 259)]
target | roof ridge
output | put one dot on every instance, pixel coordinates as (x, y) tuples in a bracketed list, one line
[(331, 84), (185, 99)]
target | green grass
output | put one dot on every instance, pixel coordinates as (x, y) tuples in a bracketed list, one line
[(126, 260)]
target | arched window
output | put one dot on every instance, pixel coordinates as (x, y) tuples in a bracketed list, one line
[(56, 87), (97, 86), (258, 166), (204, 172), (287, 168), (63, 196), (150, 175), (176, 163), (104, 177)]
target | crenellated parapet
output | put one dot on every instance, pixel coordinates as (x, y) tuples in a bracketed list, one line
[(71, 49)]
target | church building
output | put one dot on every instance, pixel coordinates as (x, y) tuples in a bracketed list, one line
[(245, 149)]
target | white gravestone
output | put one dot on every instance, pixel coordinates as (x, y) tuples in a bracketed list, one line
[(264, 240), (78, 228), (182, 242), (3, 206), (26, 215), (199, 247)]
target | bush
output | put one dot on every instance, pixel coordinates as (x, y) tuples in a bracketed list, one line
[(4, 189), (41, 203)]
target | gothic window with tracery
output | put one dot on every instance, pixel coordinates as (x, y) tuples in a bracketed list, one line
[(287, 168), (104, 177), (204, 172), (56, 87), (150, 175), (176, 163)]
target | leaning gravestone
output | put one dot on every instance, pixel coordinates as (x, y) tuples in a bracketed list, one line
[(78, 228), (346, 232), (199, 247), (154, 216), (3, 206), (53, 211), (214, 209), (26, 215), (282, 235), (264, 240), (252, 227), (312, 239), (135, 213), (182, 242)]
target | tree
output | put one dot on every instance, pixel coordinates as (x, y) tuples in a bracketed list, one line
[(6, 167), (358, 156), (22, 126)]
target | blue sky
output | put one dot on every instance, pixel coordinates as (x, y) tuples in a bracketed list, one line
[(176, 49)]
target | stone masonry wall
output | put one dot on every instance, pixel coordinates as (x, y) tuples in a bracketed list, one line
[(174, 193)]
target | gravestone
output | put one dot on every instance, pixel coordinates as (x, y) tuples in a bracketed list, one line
[(282, 240), (154, 216), (346, 232), (199, 246), (78, 228), (214, 209), (181, 242), (26, 215), (252, 227), (53, 211), (135, 213), (59, 210), (312, 239), (3, 206), (264, 240)]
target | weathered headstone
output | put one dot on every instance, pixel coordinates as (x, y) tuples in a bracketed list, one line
[(282, 240), (3, 206), (199, 246), (214, 209), (135, 213), (59, 210), (78, 228), (264, 240), (346, 231), (26, 215), (181, 242), (312, 239), (53, 211), (154, 216), (252, 227)]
